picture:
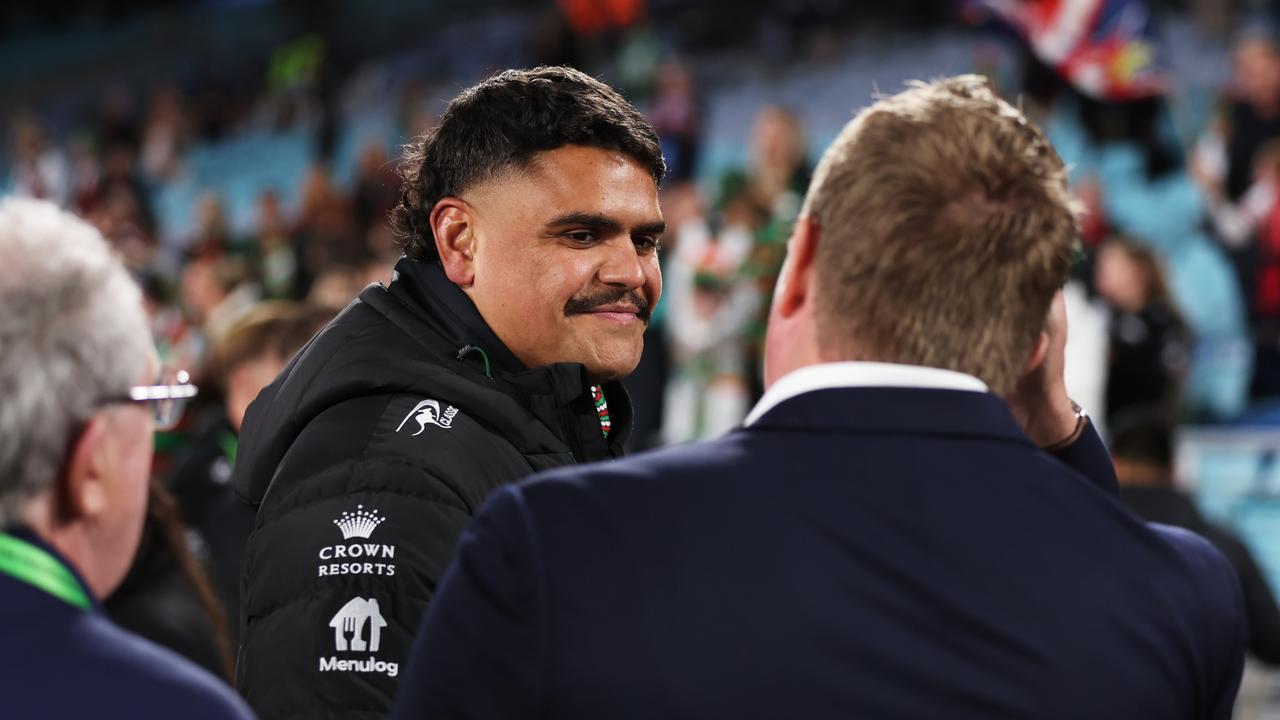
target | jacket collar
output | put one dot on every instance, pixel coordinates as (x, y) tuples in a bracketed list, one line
[(559, 394), (446, 308)]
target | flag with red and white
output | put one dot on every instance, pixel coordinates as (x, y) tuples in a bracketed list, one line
[(1106, 49)]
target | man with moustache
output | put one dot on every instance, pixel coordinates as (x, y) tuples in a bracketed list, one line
[(530, 222), (915, 520)]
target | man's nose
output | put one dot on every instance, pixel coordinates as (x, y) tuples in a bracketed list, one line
[(623, 266)]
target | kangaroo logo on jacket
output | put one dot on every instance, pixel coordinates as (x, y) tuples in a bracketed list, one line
[(357, 628), (429, 412), (357, 558)]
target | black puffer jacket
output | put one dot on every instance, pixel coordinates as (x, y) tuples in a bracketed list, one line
[(367, 457)]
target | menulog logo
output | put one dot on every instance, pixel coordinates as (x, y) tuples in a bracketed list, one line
[(357, 627)]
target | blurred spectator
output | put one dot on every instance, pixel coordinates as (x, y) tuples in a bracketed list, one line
[(765, 199), (292, 99), (40, 170), (675, 115), (1253, 224), (166, 597), (1146, 192), (117, 204), (337, 286), (216, 109), (777, 173), (279, 264), (376, 190), (1142, 448), (326, 228), (1254, 109), (86, 171), (211, 236), (1148, 339), (246, 358), (712, 301), (117, 122), (216, 291), (165, 135), (1237, 223), (178, 342)]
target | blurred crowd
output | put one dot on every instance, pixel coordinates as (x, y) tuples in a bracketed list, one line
[(1178, 232), (1177, 292), (1182, 231)]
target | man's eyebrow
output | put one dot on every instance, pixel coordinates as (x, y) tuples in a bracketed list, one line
[(604, 223), (653, 228), (593, 221)]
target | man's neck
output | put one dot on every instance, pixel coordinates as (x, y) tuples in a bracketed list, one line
[(67, 539)]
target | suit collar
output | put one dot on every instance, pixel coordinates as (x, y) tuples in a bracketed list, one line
[(861, 374), (913, 410)]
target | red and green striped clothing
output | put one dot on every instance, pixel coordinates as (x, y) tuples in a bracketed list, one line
[(602, 409)]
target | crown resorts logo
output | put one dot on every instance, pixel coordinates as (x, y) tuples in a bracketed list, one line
[(373, 558), (358, 524)]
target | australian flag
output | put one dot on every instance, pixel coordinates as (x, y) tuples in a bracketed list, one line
[(1106, 49)]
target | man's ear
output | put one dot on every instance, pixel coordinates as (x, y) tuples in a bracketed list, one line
[(82, 488), (453, 224), (795, 283), (1039, 352)]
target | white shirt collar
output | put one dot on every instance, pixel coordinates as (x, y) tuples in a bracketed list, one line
[(860, 374)]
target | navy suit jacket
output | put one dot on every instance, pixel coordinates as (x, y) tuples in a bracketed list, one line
[(857, 552), (58, 661)]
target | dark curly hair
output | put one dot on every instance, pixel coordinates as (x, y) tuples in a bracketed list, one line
[(501, 124)]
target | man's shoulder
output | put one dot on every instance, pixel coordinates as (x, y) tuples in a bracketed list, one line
[(132, 675), (1200, 580), (1197, 554), (398, 442)]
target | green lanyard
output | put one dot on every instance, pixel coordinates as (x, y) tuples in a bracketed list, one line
[(26, 562)]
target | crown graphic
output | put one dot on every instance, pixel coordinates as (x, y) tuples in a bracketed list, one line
[(360, 523)]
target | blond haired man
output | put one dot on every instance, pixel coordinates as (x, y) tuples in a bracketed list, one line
[(891, 534)]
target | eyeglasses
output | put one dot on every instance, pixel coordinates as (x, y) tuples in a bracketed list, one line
[(167, 398)]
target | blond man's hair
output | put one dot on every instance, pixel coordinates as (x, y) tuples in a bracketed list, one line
[(945, 228)]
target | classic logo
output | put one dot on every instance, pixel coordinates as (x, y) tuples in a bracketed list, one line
[(357, 627), (429, 412), (358, 524)]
